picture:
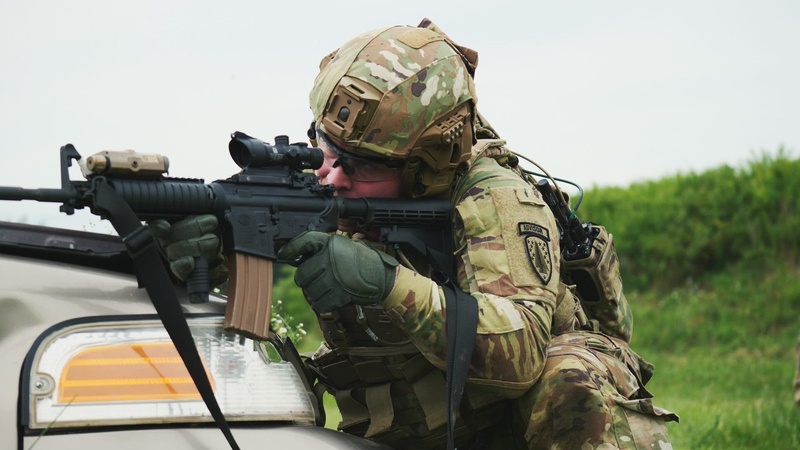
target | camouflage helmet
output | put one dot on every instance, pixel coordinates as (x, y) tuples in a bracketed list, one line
[(401, 93)]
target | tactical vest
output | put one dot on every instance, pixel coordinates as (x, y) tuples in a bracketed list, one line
[(386, 389)]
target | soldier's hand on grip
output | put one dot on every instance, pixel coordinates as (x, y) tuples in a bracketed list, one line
[(336, 271), (190, 238)]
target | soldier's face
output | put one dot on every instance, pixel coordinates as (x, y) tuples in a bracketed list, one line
[(349, 188), (354, 179)]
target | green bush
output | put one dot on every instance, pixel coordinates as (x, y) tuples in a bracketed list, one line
[(710, 266), (671, 231), (291, 314)]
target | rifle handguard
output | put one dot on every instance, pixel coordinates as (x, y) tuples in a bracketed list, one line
[(249, 305)]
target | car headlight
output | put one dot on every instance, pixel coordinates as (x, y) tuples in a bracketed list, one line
[(127, 372)]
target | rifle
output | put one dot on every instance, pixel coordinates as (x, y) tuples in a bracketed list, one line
[(275, 197)]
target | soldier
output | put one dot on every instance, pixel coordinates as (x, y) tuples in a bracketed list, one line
[(395, 114)]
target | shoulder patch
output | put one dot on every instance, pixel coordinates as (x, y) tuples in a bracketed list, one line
[(537, 240)]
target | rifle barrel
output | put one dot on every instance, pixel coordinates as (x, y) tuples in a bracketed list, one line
[(40, 195)]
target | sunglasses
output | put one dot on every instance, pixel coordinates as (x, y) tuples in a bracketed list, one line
[(359, 168)]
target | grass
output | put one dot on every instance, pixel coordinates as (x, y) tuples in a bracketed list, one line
[(728, 399), (724, 351)]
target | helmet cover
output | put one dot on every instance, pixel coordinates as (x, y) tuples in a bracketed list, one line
[(400, 93)]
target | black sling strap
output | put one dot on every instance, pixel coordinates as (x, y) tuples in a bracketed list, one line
[(461, 319), (462, 329), (153, 275)]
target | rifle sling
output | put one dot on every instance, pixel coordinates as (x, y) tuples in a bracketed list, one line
[(153, 275), (462, 329), (461, 319)]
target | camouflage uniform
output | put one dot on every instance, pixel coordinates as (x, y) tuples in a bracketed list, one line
[(539, 377)]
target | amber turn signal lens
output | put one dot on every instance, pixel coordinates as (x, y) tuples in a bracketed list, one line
[(127, 372)]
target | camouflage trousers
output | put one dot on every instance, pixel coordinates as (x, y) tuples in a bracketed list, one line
[(591, 395)]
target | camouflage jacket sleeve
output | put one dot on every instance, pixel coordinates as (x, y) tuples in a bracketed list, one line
[(508, 259)]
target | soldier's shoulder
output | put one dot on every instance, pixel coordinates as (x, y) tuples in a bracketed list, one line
[(487, 171)]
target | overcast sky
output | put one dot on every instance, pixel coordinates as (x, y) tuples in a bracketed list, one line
[(602, 93)]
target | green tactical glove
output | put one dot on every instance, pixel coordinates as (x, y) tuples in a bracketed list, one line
[(339, 271), (187, 239)]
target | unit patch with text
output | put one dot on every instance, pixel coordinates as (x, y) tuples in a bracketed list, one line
[(537, 242)]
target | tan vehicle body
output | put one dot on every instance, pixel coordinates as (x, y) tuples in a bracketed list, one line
[(37, 294)]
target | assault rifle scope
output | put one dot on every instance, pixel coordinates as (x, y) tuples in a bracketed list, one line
[(250, 152)]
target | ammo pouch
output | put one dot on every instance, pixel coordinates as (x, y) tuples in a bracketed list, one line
[(596, 276), (396, 396)]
